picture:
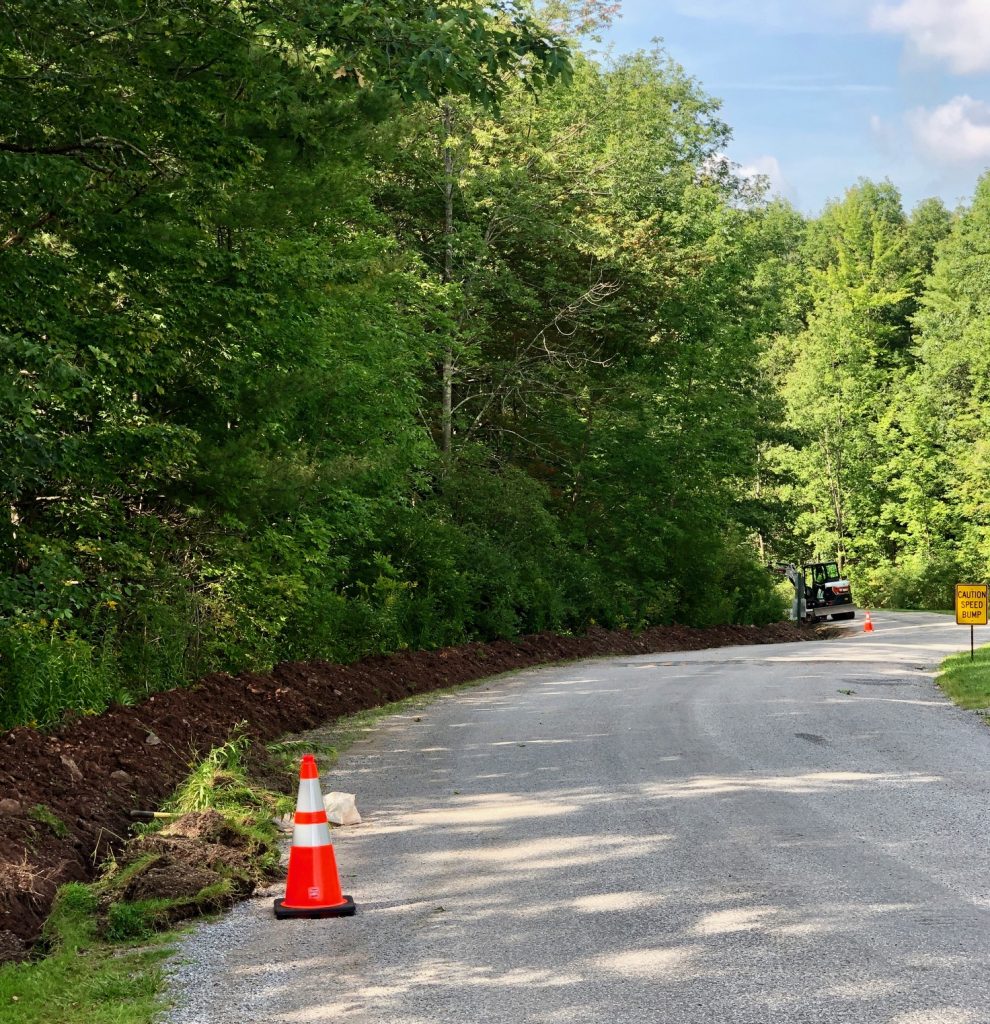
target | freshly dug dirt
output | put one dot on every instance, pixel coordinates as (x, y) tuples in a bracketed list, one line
[(189, 854), (199, 827), (92, 772)]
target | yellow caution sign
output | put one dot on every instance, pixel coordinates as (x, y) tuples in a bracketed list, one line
[(971, 604)]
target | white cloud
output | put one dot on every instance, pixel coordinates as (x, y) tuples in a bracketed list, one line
[(766, 167), (956, 132), (955, 31)]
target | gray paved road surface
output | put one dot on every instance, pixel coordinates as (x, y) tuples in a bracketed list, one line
[(723, 837)]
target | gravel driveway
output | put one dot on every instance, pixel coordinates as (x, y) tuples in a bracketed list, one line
[(721, 837)]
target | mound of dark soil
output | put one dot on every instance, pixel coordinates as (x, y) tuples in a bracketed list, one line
[(189, 854), (92, 772)]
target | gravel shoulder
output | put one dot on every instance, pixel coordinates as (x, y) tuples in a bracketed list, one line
[(783, 833)]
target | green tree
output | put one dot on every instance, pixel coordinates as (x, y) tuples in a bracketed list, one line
[(198, 301), (842, 373), (945, 465)]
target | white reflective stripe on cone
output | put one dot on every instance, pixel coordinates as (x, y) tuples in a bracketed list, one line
[(310, 798), (311, 835)]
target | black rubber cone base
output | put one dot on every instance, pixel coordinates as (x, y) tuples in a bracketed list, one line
[(345, 909)]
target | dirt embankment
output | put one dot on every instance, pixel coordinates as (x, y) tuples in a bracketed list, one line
[(66, 796)]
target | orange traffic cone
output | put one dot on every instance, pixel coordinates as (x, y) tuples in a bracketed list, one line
[(868, 625), (313, 887)]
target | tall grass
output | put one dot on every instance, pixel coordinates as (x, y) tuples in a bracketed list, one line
[(45, 672)]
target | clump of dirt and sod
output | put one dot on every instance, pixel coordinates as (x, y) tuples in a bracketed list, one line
[(66, 796), (213, 843), (104, 942)]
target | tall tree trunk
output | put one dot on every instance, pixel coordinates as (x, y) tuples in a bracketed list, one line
[(448, 273), (758, 493), (833, 467)]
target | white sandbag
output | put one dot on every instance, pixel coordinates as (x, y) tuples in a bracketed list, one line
[(341, 809)]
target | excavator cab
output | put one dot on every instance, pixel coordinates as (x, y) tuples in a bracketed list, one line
[(827, 592)]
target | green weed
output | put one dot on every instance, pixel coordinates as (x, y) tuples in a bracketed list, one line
[(45, 816), (132, 922), (46, 671), (218, 781)]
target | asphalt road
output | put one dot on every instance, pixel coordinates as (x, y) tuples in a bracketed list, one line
[(722, 837)]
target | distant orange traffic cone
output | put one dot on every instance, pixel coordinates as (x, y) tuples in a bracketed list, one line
[(313, 886), (868, 625)]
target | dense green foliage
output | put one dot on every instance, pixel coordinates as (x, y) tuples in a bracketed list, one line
[(330, 329), (336, 328), (885, 372)]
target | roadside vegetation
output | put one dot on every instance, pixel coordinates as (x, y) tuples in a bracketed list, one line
[(333, 329), (884, 374), (104, 943), (967, 681), (84, 977)]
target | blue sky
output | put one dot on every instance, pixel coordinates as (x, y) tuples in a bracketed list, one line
[(819, 94)]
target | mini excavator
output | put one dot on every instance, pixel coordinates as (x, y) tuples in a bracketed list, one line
[(820, 592)]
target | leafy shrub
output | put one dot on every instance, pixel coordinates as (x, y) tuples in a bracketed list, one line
[(923, 581)]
